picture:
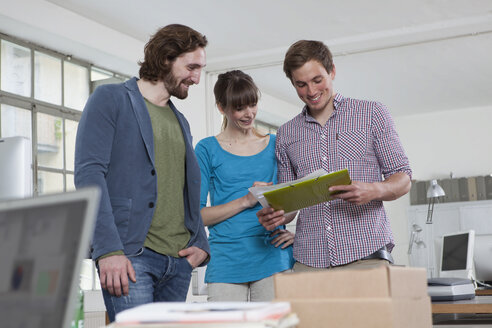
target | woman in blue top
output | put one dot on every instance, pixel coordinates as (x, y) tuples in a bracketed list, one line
[(244, 255)]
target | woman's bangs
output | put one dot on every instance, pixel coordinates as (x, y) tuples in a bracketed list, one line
[(243, 94)]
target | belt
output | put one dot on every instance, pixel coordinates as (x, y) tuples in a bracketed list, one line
[(381, 254)]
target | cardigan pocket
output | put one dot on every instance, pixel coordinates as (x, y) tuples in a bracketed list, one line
[(121, 212)]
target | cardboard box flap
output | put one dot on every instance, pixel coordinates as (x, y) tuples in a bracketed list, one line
[(379, 281), (382, 296), (371, 282)]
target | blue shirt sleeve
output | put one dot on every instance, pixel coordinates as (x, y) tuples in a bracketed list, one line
[(204, 161)]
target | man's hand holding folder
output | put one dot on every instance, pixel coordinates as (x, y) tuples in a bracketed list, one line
[(282, 201)]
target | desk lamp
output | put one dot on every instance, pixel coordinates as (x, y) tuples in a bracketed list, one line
[(415, 238), (434, 192)]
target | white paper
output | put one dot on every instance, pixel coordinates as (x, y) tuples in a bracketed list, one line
[(204, 312)]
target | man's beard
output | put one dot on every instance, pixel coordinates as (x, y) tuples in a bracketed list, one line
[(173, 87)]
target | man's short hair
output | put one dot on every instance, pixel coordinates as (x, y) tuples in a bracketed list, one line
[(305, 50), (167, 44)]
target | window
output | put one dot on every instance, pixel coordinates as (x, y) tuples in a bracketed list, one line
[(15, 121), (47, 78), (42, 96), (76, 88), (265, 128), (15, 69)]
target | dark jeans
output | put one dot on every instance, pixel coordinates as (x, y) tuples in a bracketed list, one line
[(160, 278)]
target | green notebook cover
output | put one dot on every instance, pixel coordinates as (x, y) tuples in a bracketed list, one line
[(306, 193)]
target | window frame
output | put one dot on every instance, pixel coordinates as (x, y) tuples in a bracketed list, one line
[(36, 106)]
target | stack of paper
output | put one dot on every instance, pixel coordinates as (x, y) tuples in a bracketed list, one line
[(214, 314)]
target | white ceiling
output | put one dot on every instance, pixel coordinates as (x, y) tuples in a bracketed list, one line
[(414, 56)]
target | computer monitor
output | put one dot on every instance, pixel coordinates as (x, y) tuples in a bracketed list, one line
[(483, 258), (43, 241), (457, 255)]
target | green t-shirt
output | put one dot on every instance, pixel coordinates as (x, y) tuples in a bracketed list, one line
[(168, 234)]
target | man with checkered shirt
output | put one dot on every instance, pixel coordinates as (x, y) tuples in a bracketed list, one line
[(334, 132)]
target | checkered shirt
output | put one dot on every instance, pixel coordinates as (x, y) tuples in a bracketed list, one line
[(360, 136)]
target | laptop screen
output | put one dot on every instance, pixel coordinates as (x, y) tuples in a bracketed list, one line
[(43, 241)]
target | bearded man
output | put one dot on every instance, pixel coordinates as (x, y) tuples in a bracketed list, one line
[(137, 148)]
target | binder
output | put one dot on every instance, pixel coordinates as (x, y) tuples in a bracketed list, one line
[(446, 186), (298, 195), (422, 192), (488, 187), (454, 195), (463, 189), (481, 192), (413, 193), (472, 189)]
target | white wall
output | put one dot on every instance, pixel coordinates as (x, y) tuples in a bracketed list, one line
[(458, 141), (204, 117), (276, 111)]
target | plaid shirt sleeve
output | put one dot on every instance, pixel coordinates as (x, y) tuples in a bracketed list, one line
[(285, 170), (387, 146)]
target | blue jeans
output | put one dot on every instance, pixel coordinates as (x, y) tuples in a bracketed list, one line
[(160, 278)]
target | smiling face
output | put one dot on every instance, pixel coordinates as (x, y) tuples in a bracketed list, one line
[(242, 118), (186, 71), (314, 85)]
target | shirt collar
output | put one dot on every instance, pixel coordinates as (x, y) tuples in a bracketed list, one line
[(337, 101)]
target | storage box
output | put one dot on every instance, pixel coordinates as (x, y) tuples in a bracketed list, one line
[(94, 309), (383, 296)]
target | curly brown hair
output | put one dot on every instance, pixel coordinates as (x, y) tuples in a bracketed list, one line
[(167, 44)]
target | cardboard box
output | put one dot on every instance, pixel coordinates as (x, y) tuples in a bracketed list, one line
[(384, 296)]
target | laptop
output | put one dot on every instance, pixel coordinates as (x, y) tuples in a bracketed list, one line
[(43, 241)]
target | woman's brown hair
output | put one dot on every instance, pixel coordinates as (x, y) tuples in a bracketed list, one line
[(235, 90)]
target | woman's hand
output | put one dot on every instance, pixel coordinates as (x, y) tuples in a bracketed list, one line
[(250, 200), (284, 237)]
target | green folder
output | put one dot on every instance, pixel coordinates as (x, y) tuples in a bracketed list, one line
[(306, 193)]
